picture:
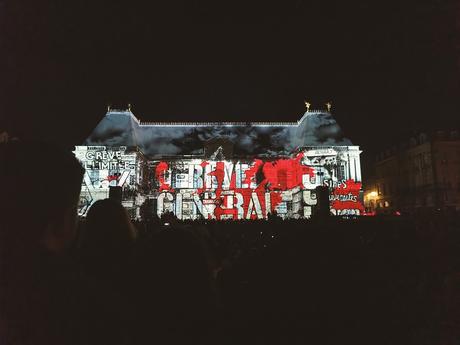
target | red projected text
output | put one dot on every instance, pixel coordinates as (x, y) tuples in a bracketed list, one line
[(250, 190)]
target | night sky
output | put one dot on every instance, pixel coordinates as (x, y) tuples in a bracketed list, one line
[(390, 68)]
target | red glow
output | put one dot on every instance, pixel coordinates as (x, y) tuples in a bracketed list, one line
[(160, 172), (349, 186), (219, 174), (285, 174), (252, 171), (113, 178), (346, 196), (277, 176)]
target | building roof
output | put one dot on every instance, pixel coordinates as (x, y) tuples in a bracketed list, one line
[(158, 139)]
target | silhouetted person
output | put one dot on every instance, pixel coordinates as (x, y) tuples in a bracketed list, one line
[(38, 204), (106, 248), (108, 236), (176, 300)]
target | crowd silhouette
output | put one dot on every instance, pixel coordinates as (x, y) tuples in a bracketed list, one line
[(108, 280)]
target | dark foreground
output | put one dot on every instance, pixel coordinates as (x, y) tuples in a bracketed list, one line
[(361, 281)]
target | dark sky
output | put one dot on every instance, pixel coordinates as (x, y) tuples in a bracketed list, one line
[(389, 68)]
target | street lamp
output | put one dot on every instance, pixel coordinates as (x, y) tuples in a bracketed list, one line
[(372, 194)]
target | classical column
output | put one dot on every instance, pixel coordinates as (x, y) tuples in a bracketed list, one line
[(351, 160), (358, 168)]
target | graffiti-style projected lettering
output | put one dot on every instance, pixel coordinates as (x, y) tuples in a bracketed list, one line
[(219, 188), (345, 198), (194, 189), (105, 168)]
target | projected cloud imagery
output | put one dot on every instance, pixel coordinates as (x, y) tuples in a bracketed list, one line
[(122, 128)]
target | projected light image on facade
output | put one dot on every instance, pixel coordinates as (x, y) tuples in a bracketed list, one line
[(107, 167), (222, 170)]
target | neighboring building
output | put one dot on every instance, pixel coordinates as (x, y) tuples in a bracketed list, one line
[(223, 170), (422, 174)]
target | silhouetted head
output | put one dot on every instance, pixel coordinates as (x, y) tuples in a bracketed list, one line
[(107, 229), (39, 195)]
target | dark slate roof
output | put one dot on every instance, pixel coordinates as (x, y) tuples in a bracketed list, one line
[(159, 139)]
